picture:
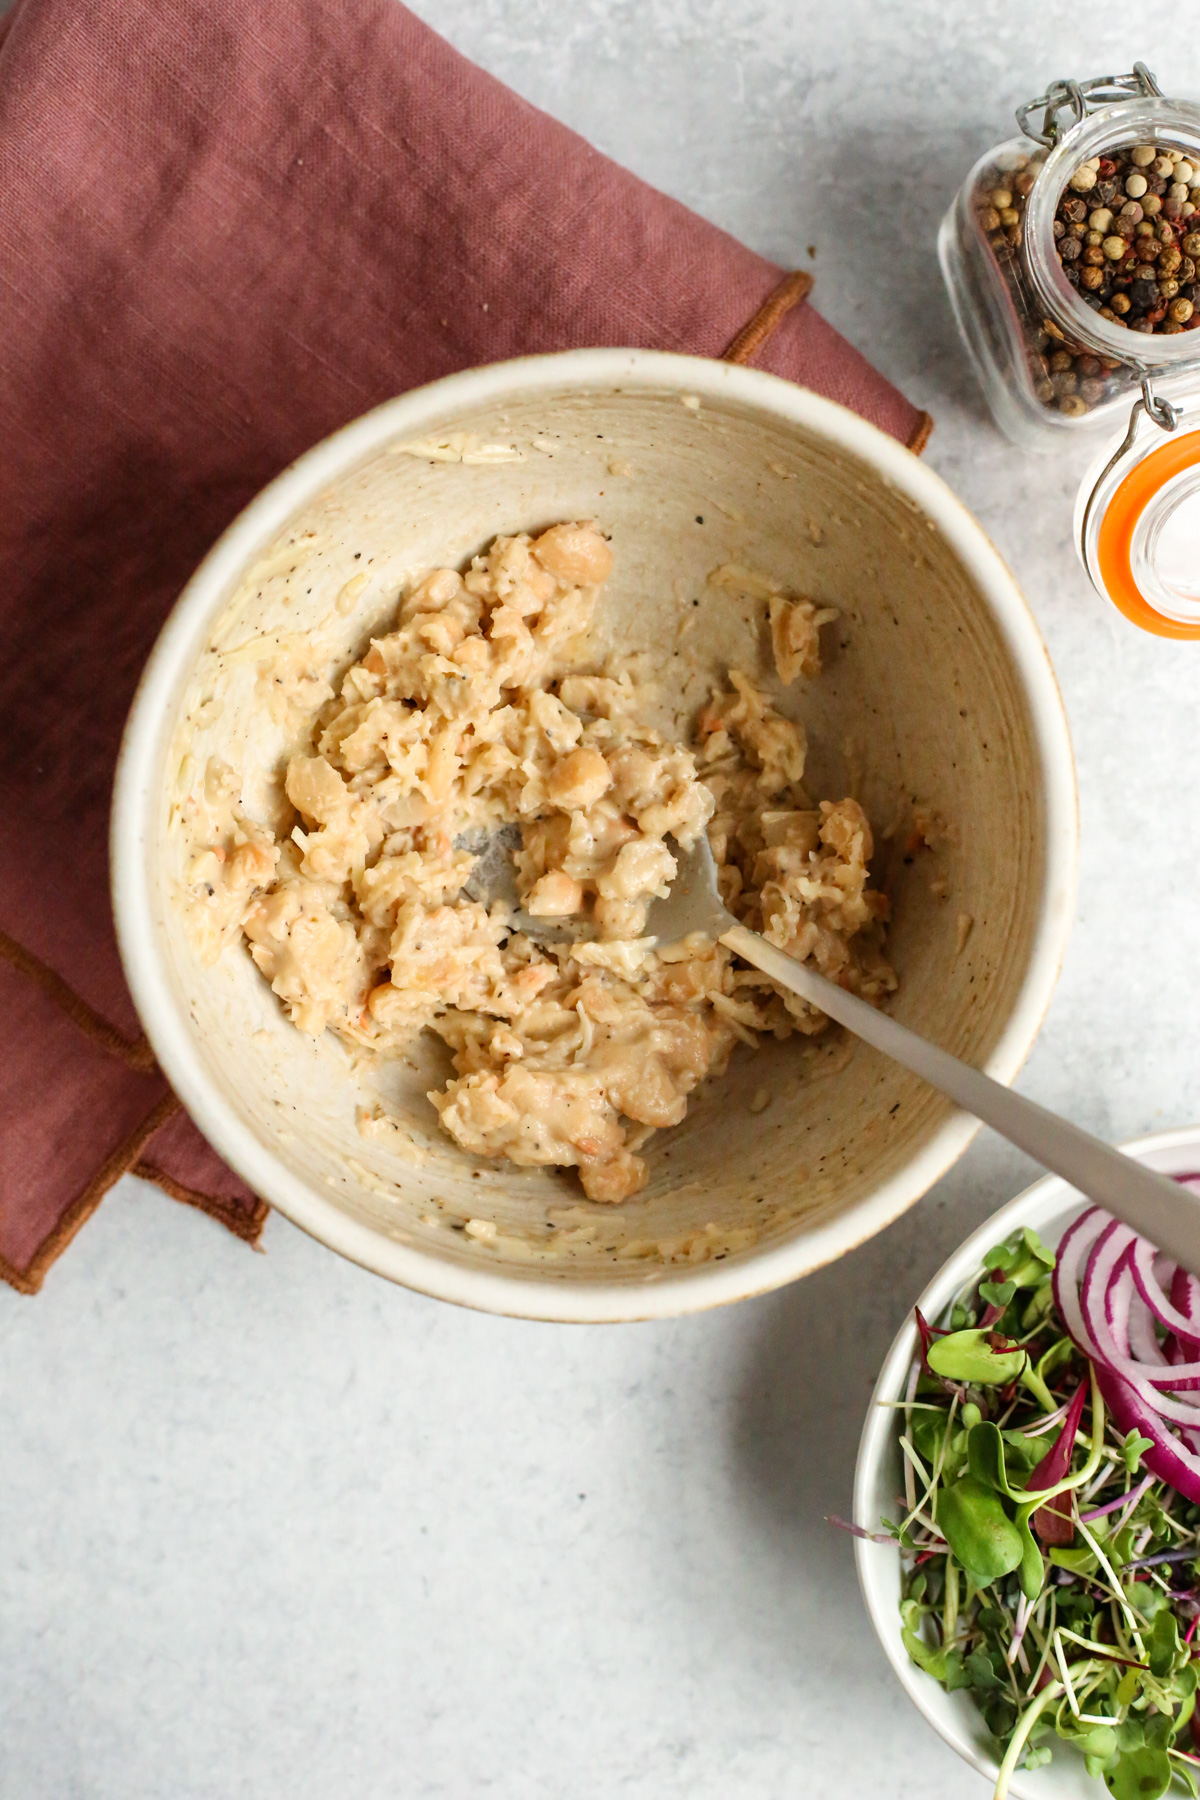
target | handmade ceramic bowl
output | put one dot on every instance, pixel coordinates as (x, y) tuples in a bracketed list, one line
[(1048, 1206), (938, 694)]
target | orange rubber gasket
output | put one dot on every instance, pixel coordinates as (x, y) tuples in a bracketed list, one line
[(1114, 541)]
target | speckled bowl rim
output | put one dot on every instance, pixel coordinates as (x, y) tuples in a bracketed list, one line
[(1174, 1152), (672, 1291)]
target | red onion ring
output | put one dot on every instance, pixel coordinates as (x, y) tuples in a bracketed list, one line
[(1111, 1289)]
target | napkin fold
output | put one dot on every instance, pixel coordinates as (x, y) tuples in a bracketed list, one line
[(226, 228)]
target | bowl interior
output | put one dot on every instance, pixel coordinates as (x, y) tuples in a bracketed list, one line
[(1048, 1207), (923, 707)]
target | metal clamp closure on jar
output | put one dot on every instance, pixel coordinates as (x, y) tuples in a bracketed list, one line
[(1138, 522)]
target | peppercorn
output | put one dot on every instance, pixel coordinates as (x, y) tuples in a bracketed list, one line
[(1120, 303), (1181, 311), (1191, 244), (1058, 227), (1151, 205), (1074, 209), (1091, 390), (1087, 365), (1073, 406), (1168, 287), (1093, 256), (1000, 198), (1069, 249), (1135, 186)]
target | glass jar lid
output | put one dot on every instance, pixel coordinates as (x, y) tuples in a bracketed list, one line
[(1137, 518)]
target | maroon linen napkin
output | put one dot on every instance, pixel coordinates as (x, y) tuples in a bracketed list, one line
[(227, 227)]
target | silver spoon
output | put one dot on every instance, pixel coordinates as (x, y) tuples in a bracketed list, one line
[(1162, 1211)]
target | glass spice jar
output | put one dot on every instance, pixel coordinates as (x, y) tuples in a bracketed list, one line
[(1072, 259)]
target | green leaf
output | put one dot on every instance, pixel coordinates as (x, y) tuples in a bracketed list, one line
[(1061, 1351), (1089, 1740), (967, 1356), (997, 1293), (1128, 1689), (979, 1667), (1185, 1773), (957, 1675), (1039, 1306), (925, 1656), (1024, 1259), (1034, 1758), (1077, 1562), (978, 1530), (1025, 1453), (1121, 1550), (1131, 1732), (986, 1459), (999, 1714), (1139, 1775), (1164, 1648), (1160, 1728), (927, 1432), (1033, 1569), (1133, 1450), (1098, 1766), (1148, 1599)]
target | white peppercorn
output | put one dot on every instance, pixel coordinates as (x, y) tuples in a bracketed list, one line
[(1135, 186), (1083, 180), (1142, 155)]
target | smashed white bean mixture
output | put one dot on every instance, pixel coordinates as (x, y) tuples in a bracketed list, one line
[(478, 709)]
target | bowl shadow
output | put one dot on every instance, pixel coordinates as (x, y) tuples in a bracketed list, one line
[(810, 1365)]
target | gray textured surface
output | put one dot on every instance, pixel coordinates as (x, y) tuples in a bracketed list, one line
[(270, 1527)]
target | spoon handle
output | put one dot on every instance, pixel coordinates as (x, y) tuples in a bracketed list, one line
[(1161, 1210)]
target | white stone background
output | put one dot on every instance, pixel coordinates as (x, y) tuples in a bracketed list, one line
[(270, 1526)]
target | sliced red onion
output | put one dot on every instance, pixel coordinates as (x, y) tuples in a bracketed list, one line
[(1167, 1457), (1112, 1289), (1185, 1297), (1073, 1249), (1106, 1301)]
